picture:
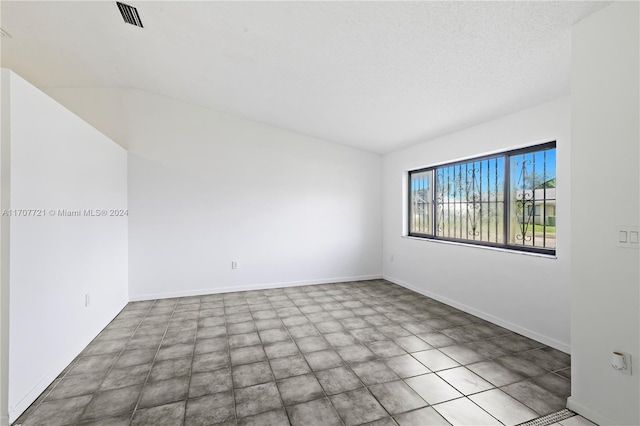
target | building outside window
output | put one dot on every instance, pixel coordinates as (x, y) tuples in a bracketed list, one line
[(503, 200)]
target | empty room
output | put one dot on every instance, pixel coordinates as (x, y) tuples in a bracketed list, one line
[(320, 213)]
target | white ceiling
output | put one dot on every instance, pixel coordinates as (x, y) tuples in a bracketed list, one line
[(374, 75)]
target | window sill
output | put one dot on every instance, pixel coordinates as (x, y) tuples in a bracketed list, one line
[(525, 253)]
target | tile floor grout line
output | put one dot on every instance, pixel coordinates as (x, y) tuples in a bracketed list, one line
[(193, 353), (233, 388), (286, 329), (516, 398), (116, 359), (307, 363), (405, 315), (486, 411), (346, 364), (69, 367), (144, 384), (275, 381), (350, 368)]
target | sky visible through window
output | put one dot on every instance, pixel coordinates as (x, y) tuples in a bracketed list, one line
[(466, 200)]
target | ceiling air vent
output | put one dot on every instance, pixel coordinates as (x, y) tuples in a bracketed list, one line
[(129, 14)]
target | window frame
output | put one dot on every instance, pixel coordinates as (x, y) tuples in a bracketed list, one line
[(506, 212)]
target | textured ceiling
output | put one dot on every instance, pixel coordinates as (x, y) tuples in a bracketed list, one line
[(375, 75)]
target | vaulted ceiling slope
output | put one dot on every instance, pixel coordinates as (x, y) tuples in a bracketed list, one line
[(374, 75)]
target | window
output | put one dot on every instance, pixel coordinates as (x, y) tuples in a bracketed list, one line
[(504, 200)]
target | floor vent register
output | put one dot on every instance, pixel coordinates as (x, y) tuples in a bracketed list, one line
[(550, 419)]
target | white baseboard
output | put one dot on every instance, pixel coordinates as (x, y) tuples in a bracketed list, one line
[(263, 286), (587, 413), (561, 346), (26, 400)]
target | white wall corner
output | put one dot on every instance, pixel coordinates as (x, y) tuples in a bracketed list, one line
[(262, 286), (48, 378), (61, 163)]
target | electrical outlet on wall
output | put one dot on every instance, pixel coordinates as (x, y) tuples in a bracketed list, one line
[(621, 362), (628, 237), (234, 264)]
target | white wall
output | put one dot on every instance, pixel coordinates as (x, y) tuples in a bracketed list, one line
[(60, 162), (206, 189), (524, 293), (605, 157), (5, 204)]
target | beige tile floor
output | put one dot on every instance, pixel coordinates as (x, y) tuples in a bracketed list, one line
[(355, 353)]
